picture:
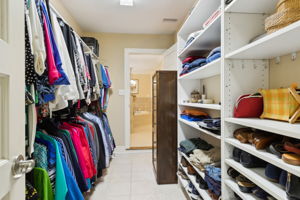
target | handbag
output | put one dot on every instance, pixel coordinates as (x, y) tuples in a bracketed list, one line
[(287, 12), (281, 104), (248, 106)]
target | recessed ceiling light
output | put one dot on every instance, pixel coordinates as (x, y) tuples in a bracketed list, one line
[(126, 2)]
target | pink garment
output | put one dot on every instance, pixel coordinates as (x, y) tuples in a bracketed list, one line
[(86, 146), (53, 73), (82, 148), (78, 148)]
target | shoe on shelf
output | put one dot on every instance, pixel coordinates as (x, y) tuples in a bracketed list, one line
[(292, 187), (260, 193), (273, 173), (293, 159), (292, 148), (191, 170), (236, 154), (245, 184), (250, 161), (182, 174), (243, 134), (201, 181), (184, 162), (232, 173), (277, 149)]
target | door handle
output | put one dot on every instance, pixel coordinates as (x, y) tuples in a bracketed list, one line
[(22, 166)]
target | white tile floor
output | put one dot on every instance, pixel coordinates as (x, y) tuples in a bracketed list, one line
[(131, 177)]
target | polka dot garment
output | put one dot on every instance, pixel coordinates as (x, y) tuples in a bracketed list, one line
[(30, 74)]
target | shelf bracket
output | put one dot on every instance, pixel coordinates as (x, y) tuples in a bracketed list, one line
[(277, 60), (294, 56)]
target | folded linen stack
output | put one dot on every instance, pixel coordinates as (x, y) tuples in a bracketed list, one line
[(194, 115), (189, 145), (214, 125)]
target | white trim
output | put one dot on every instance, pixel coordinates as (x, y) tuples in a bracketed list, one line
[(127, 52)]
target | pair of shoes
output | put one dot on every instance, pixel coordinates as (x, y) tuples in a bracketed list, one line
[(293, 155), (246, 185), (182, 174), (259, 139), (247, 160), (201, 181), (276, 175), (193, 191)]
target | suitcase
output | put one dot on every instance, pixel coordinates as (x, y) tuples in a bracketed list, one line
[(92, 43)]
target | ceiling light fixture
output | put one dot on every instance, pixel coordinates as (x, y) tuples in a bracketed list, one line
[(126, 2)]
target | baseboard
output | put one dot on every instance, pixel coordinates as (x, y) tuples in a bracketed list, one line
[(120, 149)]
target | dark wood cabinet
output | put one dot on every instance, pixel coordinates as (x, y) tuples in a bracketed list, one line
[(164, 126)]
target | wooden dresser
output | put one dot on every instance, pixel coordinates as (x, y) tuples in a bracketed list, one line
[(164, 143)]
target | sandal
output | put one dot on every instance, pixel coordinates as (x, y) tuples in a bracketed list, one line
[(293, 148)]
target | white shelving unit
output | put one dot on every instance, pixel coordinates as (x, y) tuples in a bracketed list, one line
[(208, 75), (243, 68)]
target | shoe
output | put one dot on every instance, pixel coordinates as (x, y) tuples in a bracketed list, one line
[(250, 161), (201, 181), (261, 140), (293, 159), (184, 162), (245, 184), (191, 170), (260, 193), (236, 154), (243, 134), (292, 187), (277, 149), (293, 148), (273, 173), (283, 178), (232, 173), (182, 174)]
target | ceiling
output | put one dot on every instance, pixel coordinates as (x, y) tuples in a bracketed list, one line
[(144, 63), (145, 17)]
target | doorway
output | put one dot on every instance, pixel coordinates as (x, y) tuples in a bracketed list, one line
[(141, 64)]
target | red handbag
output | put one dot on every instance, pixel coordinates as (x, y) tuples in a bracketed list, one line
[(249, 106)]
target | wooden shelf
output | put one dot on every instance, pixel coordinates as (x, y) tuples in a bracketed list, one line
[(262, 154), (199, 105), (209, 70), (279, 127), (256, 175), (203, 193), (195, 126), (197, 170), (246, 6), (207, 40), (234, 187), (282, 42), (201, 12)]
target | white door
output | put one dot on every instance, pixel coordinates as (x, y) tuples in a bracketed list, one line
[(12, 105)]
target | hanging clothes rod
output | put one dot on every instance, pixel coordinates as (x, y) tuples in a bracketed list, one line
[(88, 49)]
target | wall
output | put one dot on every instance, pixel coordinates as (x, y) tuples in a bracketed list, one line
[(112, 54), (57, 4), (286, 72), (144, 84)]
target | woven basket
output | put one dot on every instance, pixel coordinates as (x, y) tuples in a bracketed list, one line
[(282, 19), (286, 4)]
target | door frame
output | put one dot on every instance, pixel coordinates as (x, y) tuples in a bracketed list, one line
[(127, 52)]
